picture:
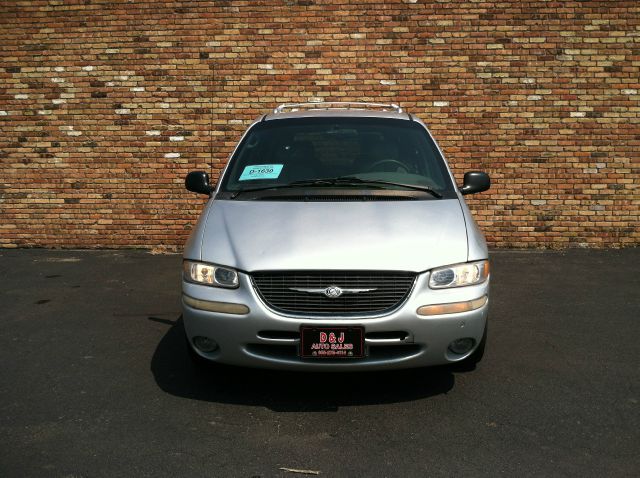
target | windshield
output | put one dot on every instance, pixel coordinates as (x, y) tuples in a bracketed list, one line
[(280, 152)]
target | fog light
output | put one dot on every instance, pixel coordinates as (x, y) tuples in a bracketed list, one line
[(462, 346), (205, 344)]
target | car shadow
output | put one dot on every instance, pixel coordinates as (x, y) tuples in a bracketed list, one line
[(284, 391)]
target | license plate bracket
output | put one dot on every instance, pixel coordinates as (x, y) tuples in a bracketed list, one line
[(322, 342)]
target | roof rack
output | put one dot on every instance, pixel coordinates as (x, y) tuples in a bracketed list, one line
[(336, 105)]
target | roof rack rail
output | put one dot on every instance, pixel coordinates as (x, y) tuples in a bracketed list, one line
[(336, 105)]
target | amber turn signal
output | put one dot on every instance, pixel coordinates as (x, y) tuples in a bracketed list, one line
[(453, 307)]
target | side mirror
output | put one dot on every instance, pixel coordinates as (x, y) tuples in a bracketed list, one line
[(475, 182), (198, 182)]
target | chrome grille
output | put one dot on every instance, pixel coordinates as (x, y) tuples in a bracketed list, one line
[(388, 291)]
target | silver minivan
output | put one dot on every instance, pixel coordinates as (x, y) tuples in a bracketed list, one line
[(336, 239)]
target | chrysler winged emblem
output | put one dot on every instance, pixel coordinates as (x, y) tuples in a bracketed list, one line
[(332, 292)]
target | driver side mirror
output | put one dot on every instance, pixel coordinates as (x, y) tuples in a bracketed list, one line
[(198, 182), (475, 182)]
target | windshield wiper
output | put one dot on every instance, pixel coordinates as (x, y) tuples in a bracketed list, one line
[(294, 184), (355, 180), (339, 181)]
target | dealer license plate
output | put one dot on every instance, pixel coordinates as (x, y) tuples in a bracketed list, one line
[(331, 342)]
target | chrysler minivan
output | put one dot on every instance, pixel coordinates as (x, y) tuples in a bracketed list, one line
[(336, 239)]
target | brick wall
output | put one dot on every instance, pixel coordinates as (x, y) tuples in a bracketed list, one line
[(105, 105)]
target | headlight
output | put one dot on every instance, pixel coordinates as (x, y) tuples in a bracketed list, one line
[(209, 274), (459, 275)]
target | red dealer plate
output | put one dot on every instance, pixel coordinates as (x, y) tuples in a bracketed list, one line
[(331, 342)]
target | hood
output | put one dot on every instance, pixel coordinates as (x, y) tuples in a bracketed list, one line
[(369, 235)]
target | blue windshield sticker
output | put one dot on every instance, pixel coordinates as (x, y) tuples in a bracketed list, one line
[(261, 171)]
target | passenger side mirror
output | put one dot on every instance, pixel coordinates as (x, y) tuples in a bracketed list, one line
[(475, 182), (198, 182)]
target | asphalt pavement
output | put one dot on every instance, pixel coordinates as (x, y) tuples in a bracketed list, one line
[(95, 381)]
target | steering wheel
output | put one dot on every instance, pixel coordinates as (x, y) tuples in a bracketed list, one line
[(394, 162)]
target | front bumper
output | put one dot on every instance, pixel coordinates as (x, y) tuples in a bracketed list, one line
[(401, 339)]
